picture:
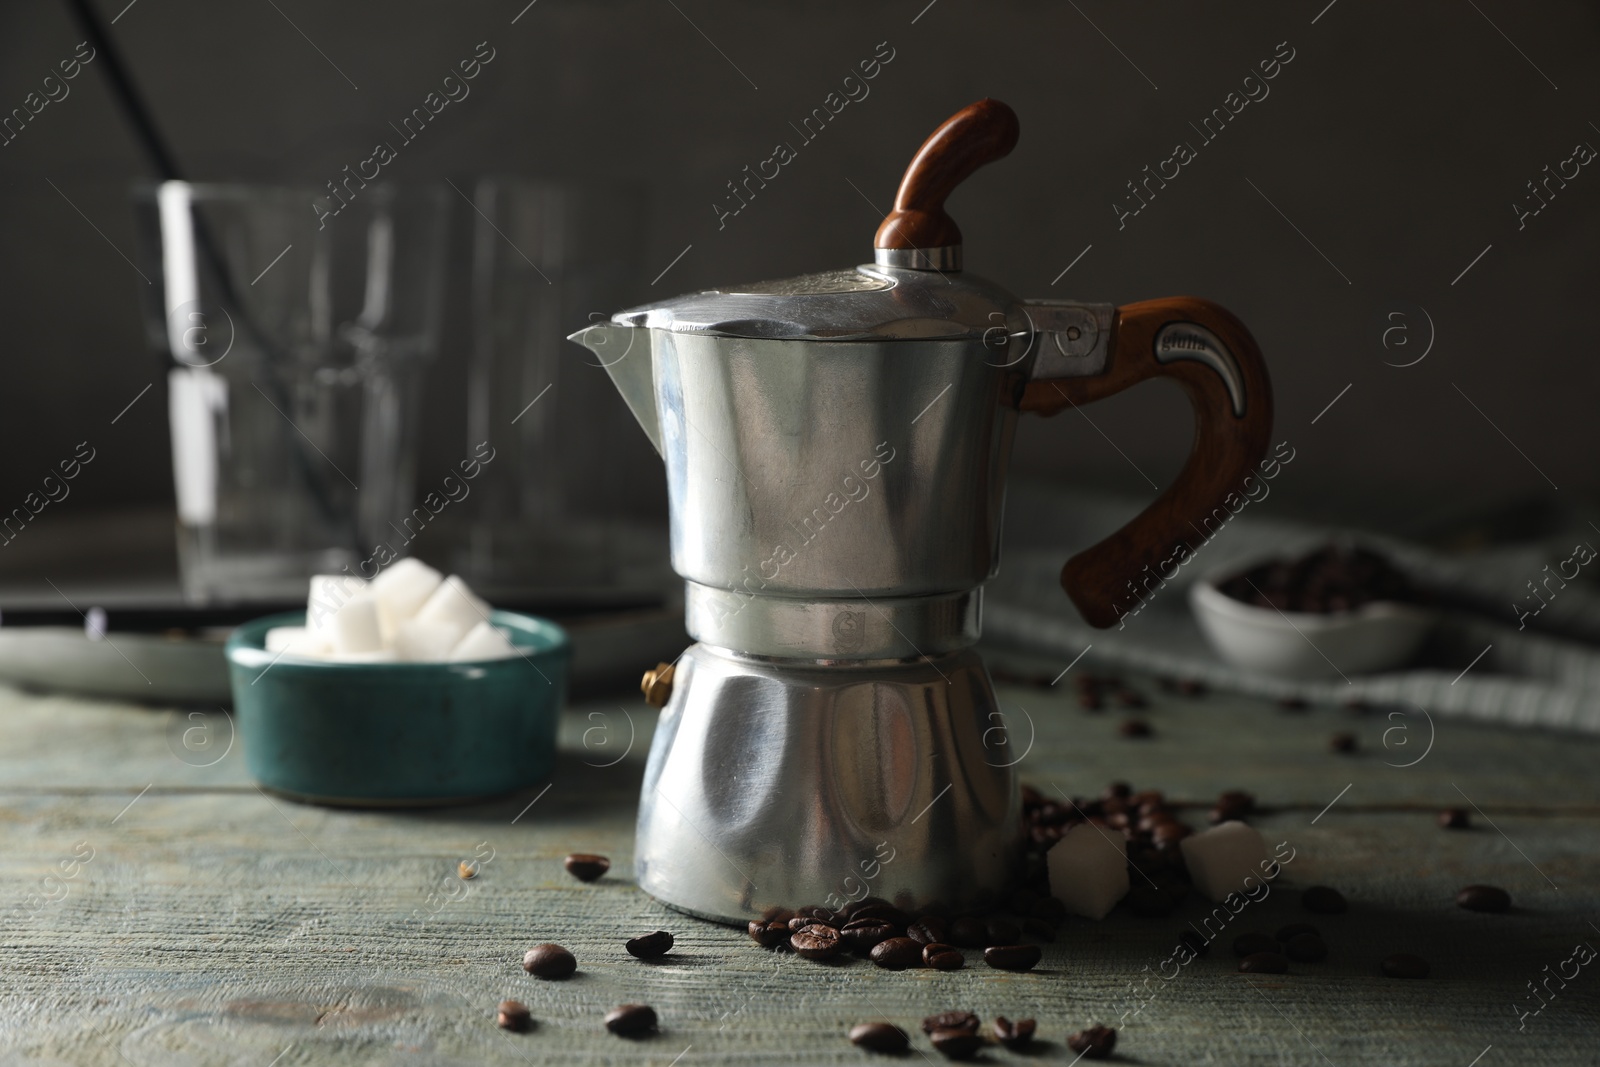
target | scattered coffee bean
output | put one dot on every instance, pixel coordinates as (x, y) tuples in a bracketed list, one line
[(1405, 966), (967, 931), (1483, 898), (956, 1044), (1134, 728), (1306, 948), (466, 870), (1038, 929), (943, 957), (1251, 943), (514, 1015), (1194, 942), (862, 934), (650, 946), (1095, 1043), (951, 1020), (1012, 957), (769, 934), (1150, 903), (1014, 1035), (927, 930), (1286, 934), (897, 954), (1343, 743), (1454, 819), (1324, 900), (549, 961), (631, 1020), (1264, 963), (999, 931), (817, 941), (586, 867), (880, 1037)]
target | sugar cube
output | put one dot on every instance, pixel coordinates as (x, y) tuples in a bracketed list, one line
[(425, 641), (330, 592), (401, 588), (1089, 870), (354, 627), (483, 642), (1221, 858), (453, 602), (297, 640)]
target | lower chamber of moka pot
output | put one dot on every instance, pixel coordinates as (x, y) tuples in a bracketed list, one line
[(781, 784)]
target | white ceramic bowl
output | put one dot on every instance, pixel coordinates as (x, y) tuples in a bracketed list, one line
[(1379, 636)]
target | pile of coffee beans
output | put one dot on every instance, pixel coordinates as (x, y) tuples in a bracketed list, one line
[(1329, 580), (898, 940), (956, 1034)]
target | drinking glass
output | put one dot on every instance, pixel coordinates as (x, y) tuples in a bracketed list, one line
[(297, 336)]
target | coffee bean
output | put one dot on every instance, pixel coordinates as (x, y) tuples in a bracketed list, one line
[(1483, 898), (1405, 966), (956, 1044), (880, 1037), (1095, 1043), (897, 954), (1147, 799), (943, 957), (1167, 834), (586, 867), (1306, 948), (1001, 932), (951, 1020), (1454, 819), (967, 931), (1134, 728), (1150, 903), (800, 922), (549, 961), (1264, 963), (768, 934), (1012, 957), (631, 1020), (926, 930), (1038, 929), (1014, 1035), (1343, 743), (1118, 790), (861, 934), (1324, 900), (1250, 943), (514, 1015), (816, 942), (1194, 942), (1286, 934), (650, 946)]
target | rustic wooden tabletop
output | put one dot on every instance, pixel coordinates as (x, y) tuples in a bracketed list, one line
[(160, 909)]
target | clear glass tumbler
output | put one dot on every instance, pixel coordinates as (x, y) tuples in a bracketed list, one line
[(298, 338)]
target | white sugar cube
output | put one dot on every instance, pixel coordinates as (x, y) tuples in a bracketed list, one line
[(354, 627), (401, 589), (329, 593), (1221, 858), (453, 602), (297, 641), (483, 642), (1089, 870), (424, 641)]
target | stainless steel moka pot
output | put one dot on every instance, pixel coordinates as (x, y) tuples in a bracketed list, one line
[(836, 448)]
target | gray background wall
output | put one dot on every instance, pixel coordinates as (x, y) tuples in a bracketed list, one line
[(1396, 142)]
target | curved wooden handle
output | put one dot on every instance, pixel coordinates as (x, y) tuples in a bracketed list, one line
[(977, 134), (1232, 401)]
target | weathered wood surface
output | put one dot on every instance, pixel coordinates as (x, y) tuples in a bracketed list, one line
[(214, 924)]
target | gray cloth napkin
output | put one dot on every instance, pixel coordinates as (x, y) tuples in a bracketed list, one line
[(1544, 674)]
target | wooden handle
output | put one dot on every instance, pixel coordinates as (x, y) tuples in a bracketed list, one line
[(1108, 580), (977, 134)]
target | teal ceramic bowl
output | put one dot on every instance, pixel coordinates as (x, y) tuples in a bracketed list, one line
[(399, 734)]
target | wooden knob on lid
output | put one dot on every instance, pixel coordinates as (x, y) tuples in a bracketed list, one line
[(918, 233)]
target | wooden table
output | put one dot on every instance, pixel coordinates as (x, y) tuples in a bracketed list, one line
[(203, 921)]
